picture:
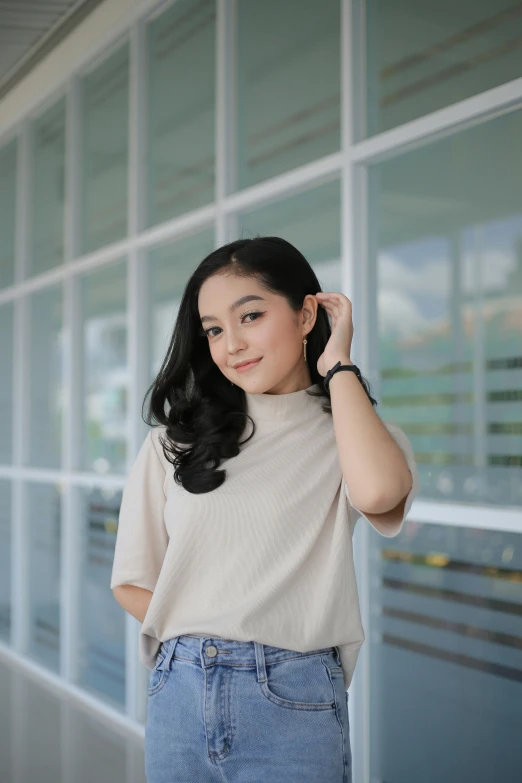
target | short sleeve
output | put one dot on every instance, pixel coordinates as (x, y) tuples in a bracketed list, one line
[(141, 538), (389, 530)]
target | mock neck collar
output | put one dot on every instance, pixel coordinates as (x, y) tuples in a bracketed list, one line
[(294, 405)]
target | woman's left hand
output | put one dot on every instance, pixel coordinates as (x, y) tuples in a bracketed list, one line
[(338, 347)]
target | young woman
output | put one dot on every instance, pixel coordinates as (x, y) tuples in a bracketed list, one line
[(234, 544)]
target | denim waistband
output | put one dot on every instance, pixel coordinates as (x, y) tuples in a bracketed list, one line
[(211, 650)]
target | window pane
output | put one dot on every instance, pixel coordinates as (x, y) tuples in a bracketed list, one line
[(5, 560), (422, 56), (6, 382), (170, 266), (44, 523), (48, 190), (105, 151), (181, 78), (446, 236), (7, 213), (311, 221), (102, 620), (106, 375), (288, 85), (46, 390), (445, 644)]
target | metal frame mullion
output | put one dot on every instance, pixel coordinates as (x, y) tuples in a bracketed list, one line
[(226, 107), (137, 323), (73, 400), (20, 594)]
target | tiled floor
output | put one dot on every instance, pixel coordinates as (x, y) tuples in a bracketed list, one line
[(46, 737)]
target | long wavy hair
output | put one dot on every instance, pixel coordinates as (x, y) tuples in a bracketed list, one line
[(207, 414)]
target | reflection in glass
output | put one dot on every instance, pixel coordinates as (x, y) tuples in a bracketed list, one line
[(170, 267), (446, 641), (5, 560), (181, 122), (45, 368), (310, 221), (7, 213), (44, 525), (422, 56), (446, 236), (102, 620), (6, 382), (106, 374), (48, 190), (288, 78), (105, 151)]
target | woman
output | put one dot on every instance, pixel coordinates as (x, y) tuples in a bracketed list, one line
[(238, 516)]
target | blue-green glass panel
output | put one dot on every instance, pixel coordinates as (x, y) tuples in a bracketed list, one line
[(105, 135), (288, 85), (181, 109), (48, 183)]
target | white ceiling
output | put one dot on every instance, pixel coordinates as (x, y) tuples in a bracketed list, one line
[(29, 29)]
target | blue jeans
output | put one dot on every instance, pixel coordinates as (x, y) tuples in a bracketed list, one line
[(223, 711)]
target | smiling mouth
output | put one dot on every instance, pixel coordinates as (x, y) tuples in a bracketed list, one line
[(248, 366)]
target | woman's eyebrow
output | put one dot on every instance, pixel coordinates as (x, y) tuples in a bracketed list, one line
[(235, 305)]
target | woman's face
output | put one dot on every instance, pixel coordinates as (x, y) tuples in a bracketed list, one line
[(263, 327)]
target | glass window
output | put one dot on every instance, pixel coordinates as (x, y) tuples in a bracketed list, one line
[(288, 76), (445, 641), (170, 267), (446, 240), (311, 221), (7, 213), (105, 135), (102, 620), (181, 111), (422, 56), (6, 382), (105, 369), (5, 560), (44, 524), (48, 190), (45, 368)]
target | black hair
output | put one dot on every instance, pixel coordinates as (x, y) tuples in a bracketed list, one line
[(207, 414)]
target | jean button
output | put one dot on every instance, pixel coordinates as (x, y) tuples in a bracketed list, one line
[(211, 651)]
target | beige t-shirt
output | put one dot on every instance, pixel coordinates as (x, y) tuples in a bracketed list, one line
[(265, 557)]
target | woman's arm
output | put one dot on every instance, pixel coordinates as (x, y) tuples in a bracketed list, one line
[(134, 600)]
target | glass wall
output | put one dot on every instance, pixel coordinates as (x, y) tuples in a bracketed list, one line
[(8, 195), (5, 560), (446, 663), (425, 222), (43, 571), (447, 243), (288, 85), (48, 191), (45, 378), (105, 142), (101, 643), (104, 369), (6, 381), (423, 56), (181, 46)]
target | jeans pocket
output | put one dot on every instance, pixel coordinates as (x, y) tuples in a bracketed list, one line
[(299, 684), (158, 676)]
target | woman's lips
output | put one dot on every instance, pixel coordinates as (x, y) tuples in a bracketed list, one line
[(249, 366)]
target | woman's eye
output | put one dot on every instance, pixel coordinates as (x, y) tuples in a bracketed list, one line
[(245, 315)]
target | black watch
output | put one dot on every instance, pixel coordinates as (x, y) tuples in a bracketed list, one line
[(336, 368)]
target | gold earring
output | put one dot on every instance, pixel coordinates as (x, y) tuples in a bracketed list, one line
[(304, 349)]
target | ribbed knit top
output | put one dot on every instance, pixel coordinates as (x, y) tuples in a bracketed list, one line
[(265, 557)]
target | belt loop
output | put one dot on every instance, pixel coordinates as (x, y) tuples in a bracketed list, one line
[(260, 661), (337, 654), (170, 646)]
